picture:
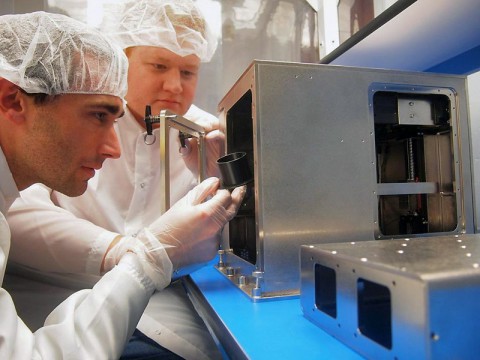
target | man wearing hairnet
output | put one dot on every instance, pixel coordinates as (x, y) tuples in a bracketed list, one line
[(165, 42), (62, 86)]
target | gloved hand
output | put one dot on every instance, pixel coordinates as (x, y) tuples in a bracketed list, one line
[(214, 142), (191, 228), (188, 233), (200, 117)]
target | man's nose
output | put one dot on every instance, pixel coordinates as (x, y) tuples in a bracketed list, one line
[(111, 146), (172, 81)]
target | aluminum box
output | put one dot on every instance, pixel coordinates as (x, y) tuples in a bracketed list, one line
[(341, 154), (400, 299)]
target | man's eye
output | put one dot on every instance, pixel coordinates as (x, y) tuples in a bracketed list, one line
[(188, 74), (101, 116), (159, 66)]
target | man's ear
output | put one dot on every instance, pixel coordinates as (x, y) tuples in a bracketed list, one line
[(12, 101)]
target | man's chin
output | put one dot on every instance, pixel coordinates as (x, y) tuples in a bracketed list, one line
[(72, 189), (175, 108)]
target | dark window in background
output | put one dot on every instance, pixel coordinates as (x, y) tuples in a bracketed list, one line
[(360, 15), (352, 16)]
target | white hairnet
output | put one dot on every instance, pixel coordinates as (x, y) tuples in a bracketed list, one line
[(177, 25), (54, 54)]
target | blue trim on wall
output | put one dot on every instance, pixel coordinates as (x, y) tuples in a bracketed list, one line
[(464, 64)]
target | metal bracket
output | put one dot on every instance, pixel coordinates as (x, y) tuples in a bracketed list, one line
[(166, 120)]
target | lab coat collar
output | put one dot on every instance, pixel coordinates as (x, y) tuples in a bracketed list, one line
[(129, 122), (8, 188)]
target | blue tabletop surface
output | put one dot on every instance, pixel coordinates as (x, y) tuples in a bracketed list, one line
[(274, 329)]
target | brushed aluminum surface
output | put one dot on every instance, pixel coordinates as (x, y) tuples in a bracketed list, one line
[(313, 155), (427, 289)]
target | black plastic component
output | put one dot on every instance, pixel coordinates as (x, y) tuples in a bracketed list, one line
[(234, 170), (148, 119)]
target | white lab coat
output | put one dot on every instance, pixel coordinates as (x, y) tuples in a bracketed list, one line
[(57, 234), (90, 324)]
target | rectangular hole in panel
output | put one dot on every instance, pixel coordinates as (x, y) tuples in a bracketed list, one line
[(326, 290), (242, 228), (375, 312), (414, 139)]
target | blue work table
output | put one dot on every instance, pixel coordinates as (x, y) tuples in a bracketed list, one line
[(268, 329)]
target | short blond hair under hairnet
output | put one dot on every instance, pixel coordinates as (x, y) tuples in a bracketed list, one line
[(55, 54), (177, 25)]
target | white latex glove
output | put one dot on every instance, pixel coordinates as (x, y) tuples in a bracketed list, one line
[(200, 117), (152, 261), (187, 234), (191, 228), (214, 142)]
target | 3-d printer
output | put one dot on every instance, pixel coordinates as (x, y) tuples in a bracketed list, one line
[(341, 154)]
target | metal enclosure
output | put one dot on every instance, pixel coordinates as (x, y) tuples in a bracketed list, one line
[(341, 154), (398, 299)]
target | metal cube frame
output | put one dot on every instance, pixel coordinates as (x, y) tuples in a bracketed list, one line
[(311, 132)]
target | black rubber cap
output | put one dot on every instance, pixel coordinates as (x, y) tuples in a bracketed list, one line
[(234, 170)]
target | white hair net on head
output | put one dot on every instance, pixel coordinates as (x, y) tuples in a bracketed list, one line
[(55, 54), (177, 25)]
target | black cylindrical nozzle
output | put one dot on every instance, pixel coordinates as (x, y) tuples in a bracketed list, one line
[(234, 170)]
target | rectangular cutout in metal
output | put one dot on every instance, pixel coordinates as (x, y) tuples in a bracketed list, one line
[(375, 312), (240, 139), (326, 290), (415, 162)]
